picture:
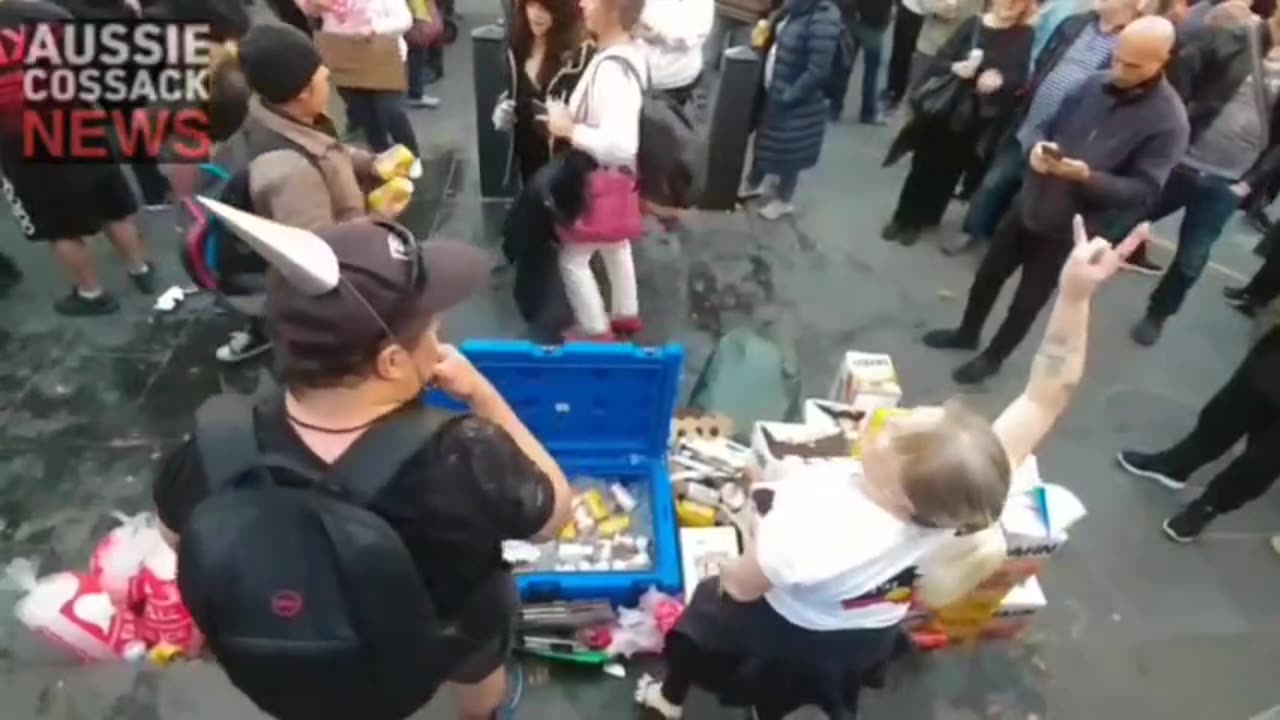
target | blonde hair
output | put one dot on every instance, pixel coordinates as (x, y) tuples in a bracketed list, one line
[(955, 474)]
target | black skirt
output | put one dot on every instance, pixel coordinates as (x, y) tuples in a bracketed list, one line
[(748, 655)]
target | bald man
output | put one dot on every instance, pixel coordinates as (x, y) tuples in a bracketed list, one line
[(1107, 150), (1229, 78)]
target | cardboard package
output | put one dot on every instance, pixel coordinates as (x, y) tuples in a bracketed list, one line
[(833, 416), (703, 551), (867, 382), (773, 442), (977, 617)]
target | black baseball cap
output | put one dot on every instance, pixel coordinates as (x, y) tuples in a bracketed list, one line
[(388, 281)]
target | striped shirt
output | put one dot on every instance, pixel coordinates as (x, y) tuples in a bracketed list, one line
[(1089, 53)]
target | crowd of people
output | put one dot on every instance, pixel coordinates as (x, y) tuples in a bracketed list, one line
[(1065, 130)]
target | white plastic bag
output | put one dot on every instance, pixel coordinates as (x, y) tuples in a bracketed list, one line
[(119, 557), (74, 611)]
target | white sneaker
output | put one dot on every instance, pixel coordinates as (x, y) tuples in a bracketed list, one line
[(425, 101), (776, 210), (241, 346)]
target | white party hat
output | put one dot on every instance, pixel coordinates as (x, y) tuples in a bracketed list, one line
[(306, 261)]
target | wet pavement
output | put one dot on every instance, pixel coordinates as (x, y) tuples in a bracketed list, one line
[(1136, 627)]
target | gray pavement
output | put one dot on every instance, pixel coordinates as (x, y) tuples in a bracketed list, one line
[(1136, 627)]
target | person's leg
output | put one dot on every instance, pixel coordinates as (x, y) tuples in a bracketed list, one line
[(624, 305), (419, 75), (87, 297), (906, 30), (836, 108), (781, 205), (1246, 479), (1210, 204), (152, 182), (1044, 258), (872, 58), (435, 63), (392, 117), (1264, 286), (926, 190), (357, 110), (996, 193), (998, 264), (583, 291), (117, 205)]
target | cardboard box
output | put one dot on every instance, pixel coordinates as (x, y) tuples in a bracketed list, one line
[(703, 551), (773, 442), (979, 615), (867, 382), (1017, 610)]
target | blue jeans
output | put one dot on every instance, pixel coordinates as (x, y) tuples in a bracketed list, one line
[(871, 41), (999, 187), (380, 114), (425, 66), (1209, 204)]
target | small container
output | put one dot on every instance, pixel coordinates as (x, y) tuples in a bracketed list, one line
[(615, 525), (701, 494), (394, 162), (692, 514), (582, 516), (574, 552), (625, 500), (595, 504), (394, 194)]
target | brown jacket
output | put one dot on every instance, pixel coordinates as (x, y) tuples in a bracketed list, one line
[(326, 186)]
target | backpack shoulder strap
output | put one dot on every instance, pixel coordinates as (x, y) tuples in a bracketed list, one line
[(375, 458), (227, 439)]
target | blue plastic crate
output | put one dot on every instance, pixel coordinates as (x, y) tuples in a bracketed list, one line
[(604, 411)]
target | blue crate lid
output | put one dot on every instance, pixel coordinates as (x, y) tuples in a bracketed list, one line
[(584, 400)]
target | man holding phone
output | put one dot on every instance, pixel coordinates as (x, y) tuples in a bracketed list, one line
[(1107, 150)]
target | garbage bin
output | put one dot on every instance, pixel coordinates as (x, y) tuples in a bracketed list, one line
[(729, 127), (490, 79)]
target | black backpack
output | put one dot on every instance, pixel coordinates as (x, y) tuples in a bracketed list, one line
[(312, 603), (214, 257)]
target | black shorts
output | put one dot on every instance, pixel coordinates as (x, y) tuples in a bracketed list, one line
[(492, 653), (55, 202)]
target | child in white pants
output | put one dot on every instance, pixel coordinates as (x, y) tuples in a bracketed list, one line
[(584, 292)]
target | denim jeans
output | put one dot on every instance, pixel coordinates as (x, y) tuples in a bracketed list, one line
[(1209, 204), (426, 64), (999, 187), (380, 114), (871, 41)]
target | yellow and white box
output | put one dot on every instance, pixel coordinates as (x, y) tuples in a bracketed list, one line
[(867, 382)]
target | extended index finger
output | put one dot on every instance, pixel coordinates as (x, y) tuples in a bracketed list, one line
[(1134, 240), (1078, 231)]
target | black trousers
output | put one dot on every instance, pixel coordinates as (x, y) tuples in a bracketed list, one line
[(1040, 258), (906, 30), (1242, 408), (1264, 286), (935, 169)]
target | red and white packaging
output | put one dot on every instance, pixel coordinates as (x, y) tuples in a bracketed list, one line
[(154, 596), (119, 557), (75, 612)]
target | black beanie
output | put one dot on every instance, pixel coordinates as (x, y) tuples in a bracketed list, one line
[(278, 61)]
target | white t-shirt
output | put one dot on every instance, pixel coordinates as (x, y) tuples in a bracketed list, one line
[(837, 560), (606, 106)]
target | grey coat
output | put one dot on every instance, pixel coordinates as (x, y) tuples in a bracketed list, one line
[(794, 119)]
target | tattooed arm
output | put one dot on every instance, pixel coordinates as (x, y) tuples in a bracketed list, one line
[(1059, 363)]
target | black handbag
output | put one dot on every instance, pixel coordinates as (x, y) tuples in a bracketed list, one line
[(947, 101)]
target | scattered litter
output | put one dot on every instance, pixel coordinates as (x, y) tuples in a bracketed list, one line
[(616, 670), (170, 299), (945, 294), (1115, 617)]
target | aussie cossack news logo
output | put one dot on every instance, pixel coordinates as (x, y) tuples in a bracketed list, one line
[(117, 91)]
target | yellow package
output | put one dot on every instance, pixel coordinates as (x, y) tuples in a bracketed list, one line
[(394, 162), (693, 515), (596, 505), (393, 195), (569, 532), (875, 424), (615, 525)]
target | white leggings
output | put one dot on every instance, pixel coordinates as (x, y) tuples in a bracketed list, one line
[(584, 292)]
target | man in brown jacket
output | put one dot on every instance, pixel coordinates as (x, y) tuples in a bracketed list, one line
[(299, 172)]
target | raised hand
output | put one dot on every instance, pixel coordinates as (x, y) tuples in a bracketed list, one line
[(1093, 261)]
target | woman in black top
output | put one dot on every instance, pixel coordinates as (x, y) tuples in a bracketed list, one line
[(942, 154), (546, 57)]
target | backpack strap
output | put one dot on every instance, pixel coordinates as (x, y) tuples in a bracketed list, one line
[(376, 457), (227, 439)]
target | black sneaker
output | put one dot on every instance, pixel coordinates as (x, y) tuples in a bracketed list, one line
[(1238, 298), (1147, 331), (1152, 466), (76, 305), (1257, 219), (975, 371), (145, 280), (892, 232), (946, 339), (1188, 524), (909, 236), (10, 274)]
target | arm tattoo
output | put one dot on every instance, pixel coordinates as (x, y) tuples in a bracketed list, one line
[(1054, 354)]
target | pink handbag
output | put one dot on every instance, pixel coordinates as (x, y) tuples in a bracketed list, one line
[(612, 212)]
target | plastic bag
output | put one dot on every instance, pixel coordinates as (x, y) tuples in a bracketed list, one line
[(75, 612), (644, 629), (119, 557)]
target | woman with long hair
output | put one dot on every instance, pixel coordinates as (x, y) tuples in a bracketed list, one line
[(991, 54), (547, 53), (812, 608)]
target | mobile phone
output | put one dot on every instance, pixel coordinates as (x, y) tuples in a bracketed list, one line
[(1052, 152)]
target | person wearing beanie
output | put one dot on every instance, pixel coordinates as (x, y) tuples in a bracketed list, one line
[(362, 43), (300, 174)]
